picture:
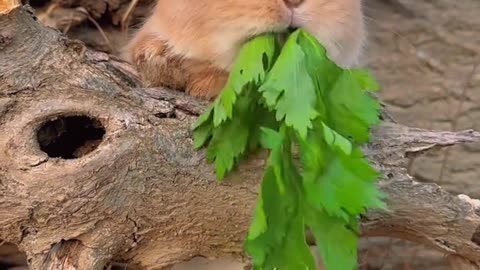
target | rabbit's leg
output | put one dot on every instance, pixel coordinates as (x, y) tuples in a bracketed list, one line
[(204, 79), (155, 63)]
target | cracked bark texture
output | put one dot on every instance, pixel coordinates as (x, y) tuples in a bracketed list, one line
[(144, 196)]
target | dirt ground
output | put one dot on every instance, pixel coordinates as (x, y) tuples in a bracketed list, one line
[(425, 54)]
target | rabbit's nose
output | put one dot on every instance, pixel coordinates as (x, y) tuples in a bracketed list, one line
[(293, 3)]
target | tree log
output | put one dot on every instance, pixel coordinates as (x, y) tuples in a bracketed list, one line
[(93, 167)]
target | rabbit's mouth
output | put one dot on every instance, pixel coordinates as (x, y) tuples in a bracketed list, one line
[(283, 36), (292, 29)]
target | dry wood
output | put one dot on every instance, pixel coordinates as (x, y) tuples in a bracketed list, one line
[(140, 193)]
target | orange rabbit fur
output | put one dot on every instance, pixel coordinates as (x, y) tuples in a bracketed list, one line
[(190, 45)]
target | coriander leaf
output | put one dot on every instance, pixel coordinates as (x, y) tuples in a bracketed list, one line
[(201, 135), (259, 223), (276, 239), (204, 118), (231, 139), (343, 191), (365, 79), (253, 61), (289, 90), (323, 71), (220, 113), (300, 98), (351, 111), (275, 209), (224, 152), (262, 118), (336, 242), (342, 185), (293, 253), (334, 139), (230, 116), (235, 137), (270, 139), (203, 129), (344, 98)]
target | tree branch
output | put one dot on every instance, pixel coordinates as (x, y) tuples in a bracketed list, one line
[(140, 193)]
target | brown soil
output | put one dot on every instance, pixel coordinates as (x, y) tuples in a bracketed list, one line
[(425, 55)]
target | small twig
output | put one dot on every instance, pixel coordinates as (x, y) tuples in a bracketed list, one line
[(92, 20), (126, 16)]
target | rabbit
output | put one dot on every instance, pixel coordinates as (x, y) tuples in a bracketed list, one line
[(191, 45)]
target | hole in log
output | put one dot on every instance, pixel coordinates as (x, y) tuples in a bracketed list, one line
[(11, 257), (35, 3), (162, 115), (70, 137), (476, 237)]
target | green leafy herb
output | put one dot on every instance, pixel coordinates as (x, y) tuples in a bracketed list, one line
[(289, 89), (295, 98)]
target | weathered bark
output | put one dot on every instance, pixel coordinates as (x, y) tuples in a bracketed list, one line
[(142, 194)]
